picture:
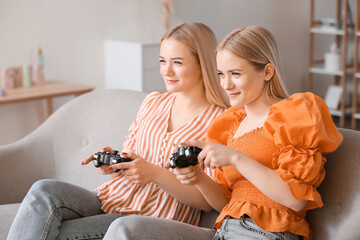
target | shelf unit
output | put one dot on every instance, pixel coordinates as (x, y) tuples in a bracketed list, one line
[(355, 106), (341, 34)]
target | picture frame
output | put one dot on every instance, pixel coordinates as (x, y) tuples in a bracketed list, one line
[(333, 96)]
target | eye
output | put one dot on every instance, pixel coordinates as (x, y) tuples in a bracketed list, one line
[(161, 60), (177, 62), (220, 74), (235, 74)]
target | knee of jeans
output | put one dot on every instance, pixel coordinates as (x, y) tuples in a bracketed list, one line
[(43, 187)]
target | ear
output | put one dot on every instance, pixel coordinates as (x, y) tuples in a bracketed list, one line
[(269, 71)]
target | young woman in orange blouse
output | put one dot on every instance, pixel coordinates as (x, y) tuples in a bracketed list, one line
[(144, 187), (267, 149)]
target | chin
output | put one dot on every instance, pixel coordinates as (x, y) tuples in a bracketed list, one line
[(172, 89), (236, 104)]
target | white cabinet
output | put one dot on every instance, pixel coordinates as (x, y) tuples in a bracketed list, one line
[(133, 65)]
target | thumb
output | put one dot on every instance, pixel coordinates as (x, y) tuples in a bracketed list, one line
[(130, 155)]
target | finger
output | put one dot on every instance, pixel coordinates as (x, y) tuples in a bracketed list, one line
[(187, 176), (124, 165), (167, 165), (107, 149), (183, 171), (88, 159), (130, 155), (195, 143)]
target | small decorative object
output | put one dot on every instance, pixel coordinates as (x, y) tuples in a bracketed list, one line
[(40, 79), (27, 73), (167, 9), (333, 96), (328, 23), (9, 75), (333, 59)]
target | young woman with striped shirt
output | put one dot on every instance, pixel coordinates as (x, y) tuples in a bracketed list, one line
[(144, 186)]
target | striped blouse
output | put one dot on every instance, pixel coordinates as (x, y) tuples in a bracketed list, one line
[(149, 138)]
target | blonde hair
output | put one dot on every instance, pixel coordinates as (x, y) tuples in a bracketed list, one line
[(201, 41), (258, 46)]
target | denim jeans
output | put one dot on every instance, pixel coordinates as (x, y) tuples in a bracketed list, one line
[(57, 210), (246, 229), (152, 228)]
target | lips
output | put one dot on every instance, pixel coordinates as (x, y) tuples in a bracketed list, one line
[(231, 95), (171, 81)]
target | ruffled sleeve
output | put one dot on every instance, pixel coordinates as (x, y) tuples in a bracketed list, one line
[(220, 131), (224, 126), (302, 129)]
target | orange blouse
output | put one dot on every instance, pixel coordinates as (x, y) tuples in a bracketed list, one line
[(292, 141)]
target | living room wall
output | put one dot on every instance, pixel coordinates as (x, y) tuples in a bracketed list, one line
[(71, 34)]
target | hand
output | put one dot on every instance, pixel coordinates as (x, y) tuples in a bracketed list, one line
[(138, 171), (215, 155), (103, 169), (188, 175)]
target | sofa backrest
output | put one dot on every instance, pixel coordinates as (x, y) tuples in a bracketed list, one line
[(339, 218), (57, 147), (88, 123)]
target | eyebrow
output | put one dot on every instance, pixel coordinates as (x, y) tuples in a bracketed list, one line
[(232, 70), (174, 58)]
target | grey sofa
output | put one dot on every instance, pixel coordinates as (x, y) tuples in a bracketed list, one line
[(102, 117)]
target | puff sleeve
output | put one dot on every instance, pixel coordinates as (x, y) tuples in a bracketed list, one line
[(302, 129), (220, 131)]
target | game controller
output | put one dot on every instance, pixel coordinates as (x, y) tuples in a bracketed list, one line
[(108, 158), (184, 157)]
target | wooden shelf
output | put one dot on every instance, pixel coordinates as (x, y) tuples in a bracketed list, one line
[(319, 69), (340, 113), (356, 115), (326, 30), (341, 38), (355, 106)]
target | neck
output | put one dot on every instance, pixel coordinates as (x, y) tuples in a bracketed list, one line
[(257, 109), (192, 99)]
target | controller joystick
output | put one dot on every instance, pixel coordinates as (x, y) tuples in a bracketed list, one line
[(107, 158), (184, 157)]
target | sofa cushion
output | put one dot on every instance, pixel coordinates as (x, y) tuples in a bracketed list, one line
[(339, 218), (7, 215)]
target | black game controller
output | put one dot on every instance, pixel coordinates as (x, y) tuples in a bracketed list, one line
[(184, 157), (108, 158)]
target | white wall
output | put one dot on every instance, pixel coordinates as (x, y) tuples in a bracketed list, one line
[(71, 33)]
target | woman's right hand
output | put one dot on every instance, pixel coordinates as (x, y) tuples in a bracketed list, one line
[(103, 169)]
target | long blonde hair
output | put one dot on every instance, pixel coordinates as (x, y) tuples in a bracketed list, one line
[(258, 46), (201, 41)]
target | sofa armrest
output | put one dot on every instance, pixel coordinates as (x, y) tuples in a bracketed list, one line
[(22, 164)]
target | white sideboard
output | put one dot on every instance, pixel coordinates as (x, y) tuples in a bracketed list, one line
[(132, 65)]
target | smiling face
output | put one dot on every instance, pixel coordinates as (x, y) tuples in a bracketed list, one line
[(179, 67), (243, 83)]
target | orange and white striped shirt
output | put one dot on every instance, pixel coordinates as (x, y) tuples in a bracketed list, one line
[(149, 138)]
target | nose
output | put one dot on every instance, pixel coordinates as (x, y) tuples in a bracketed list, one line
[(226, 83), (167, 70)]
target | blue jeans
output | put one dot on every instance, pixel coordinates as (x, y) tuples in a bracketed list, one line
[(246, 229), (152, 228), (142, 227), (57, 210)]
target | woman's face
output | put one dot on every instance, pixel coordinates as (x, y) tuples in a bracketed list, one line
[(179, 68), (240, 79)]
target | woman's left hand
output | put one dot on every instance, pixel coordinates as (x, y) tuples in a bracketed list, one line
[(215, 155), (188, 175), (139, 171)]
